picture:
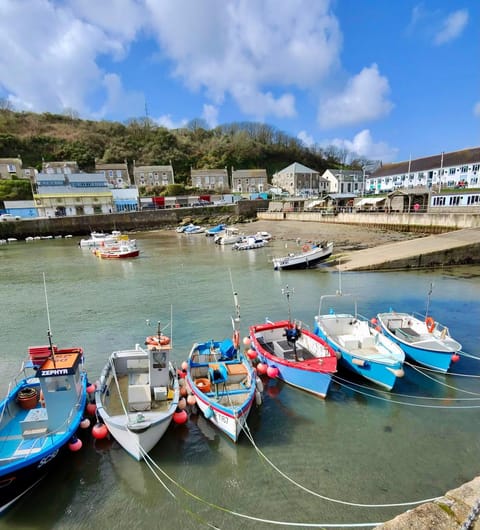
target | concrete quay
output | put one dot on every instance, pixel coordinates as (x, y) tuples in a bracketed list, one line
[(459, 247), (457, 509)]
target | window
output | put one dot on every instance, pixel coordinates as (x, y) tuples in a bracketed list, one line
[(455, 200), (11, 168), (473, 199), (451, 171)]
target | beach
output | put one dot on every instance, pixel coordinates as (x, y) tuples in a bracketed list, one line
[(345, 237)]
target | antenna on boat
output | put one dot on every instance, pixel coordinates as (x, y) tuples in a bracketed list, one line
[(235, 301), (429, 294), (339, 292), (287, 292), (49, 333)]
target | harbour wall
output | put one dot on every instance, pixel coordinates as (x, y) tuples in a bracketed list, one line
[(433, 223), (125, 221)]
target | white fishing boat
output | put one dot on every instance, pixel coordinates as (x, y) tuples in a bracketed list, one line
[(138, 395), (98, 239), (249, 243), (309, 257), (230, 236)]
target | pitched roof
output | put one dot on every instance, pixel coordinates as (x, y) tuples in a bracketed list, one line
[(454, 158), (296, 168)]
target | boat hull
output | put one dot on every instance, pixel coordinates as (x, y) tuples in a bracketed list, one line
[(378, 368), (305, 260), (430, 350), (227, 405), (313, 375)]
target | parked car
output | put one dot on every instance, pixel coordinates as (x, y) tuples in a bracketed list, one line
[(9, 217)]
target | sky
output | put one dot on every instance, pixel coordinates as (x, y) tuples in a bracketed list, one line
[(384, 79)]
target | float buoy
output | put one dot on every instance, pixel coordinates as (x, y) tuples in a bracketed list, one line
[(262, 368), (272, 371), (153, 340), (91, 388), (75, 444), (251, 354), (99, 431), (180, 417), (430, 324), (182, 403), (91, 408), (246, 341), (455, 357), (191, 400), (85, 423)]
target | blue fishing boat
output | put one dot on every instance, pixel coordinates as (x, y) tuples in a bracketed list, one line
[(219, 229), (293, 354), (39, 418), (223, 382), (423, 339), (361, 347)]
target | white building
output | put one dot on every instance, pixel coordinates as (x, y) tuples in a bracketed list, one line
[(297, 179), (458, 169), (344, 180)]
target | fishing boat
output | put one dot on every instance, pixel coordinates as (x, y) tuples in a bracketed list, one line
[(423, 339), (309, 257), (223, 382), (39, 418), (218, 229), (118, 250), (294, 355), (230, 236), (249, 243), (138, 394), (98, 239), (360, 347)]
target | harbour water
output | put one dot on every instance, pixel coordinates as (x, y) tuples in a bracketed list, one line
[(315, 462)]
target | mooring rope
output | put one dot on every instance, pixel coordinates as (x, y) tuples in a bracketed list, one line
[(416, 368)]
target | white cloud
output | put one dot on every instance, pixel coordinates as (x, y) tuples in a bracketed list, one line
[(452, 27), (476, 109), (167, 121), (118, 99), (306, 138), (363, 145), (365, 98), (53, 65), (242, 48), (210, 115)]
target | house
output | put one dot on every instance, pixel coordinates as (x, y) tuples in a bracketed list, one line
[(210, 179), (344, 180), (297, 179), (60, 167), (153, 175), (249, 180), (13, 168), (457, 169), (67, 194), (117, 174)]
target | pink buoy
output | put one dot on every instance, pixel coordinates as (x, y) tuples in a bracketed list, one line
[(183, 391), (181, 374), (191, 399), (91, 408), (182, 403), (251, 354), (180, 417), (184, 366), (91, 388), (272, 371), (373, 320), (455, 357), (75, 444), (85, 423), (262, 368), (99, 431), (246, 341)]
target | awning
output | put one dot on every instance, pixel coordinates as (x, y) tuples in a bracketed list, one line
[(369, 200)]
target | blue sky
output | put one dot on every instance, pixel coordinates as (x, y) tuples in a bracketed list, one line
[(383, 79)]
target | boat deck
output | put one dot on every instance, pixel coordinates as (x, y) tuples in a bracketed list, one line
[(113, 404), (284, 350), (16, 441)]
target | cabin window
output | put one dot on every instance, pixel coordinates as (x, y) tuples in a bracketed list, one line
[(57, 384)]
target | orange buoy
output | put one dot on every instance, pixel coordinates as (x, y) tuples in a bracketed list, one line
[(246, 341), (99, 431), (85, 423), (182, 403), (251, 354), (183, 391), (191, 400), (430, 324)]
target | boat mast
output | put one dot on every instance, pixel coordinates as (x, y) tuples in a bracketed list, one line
[(49, 333), (429, 294), (291, 334), (236, 320)]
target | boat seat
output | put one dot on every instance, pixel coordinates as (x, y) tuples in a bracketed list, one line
[(35, 423), (139, 398), (349, 342), (368, 342)]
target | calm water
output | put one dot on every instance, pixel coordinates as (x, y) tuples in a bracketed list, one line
[(358, 446)]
